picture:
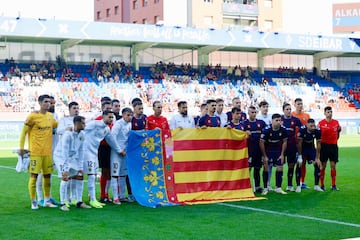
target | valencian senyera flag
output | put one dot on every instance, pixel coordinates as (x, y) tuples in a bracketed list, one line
[(188, 166)]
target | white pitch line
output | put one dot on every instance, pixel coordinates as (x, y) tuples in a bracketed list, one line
[(12, 168), (270, 212), (52, 175), (291, 215)]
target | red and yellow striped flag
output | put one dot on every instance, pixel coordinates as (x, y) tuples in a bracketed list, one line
[(209, 165)]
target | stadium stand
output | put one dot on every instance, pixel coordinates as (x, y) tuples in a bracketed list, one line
[(21, 83)]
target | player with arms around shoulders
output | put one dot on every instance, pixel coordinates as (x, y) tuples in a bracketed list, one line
[(292, 125), (253, 128), (39, 127), (120, 132), (67, 124), (95, 132), (307, 150), (273, 142), (69, 159), (330, 133)]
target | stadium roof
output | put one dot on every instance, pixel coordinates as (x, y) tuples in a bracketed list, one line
[(69, 33)]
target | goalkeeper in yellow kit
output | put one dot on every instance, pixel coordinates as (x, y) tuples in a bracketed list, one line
[(39, 128)]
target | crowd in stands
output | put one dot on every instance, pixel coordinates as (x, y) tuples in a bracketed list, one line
[(289, 71), (354, 93), (177, 81)]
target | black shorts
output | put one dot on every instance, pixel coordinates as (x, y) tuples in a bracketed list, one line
[(104, 156), (256, 160), (291, 156), (309, 155), (329, 152)]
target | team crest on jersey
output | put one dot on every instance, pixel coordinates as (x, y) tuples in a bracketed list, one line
[(90, 169)]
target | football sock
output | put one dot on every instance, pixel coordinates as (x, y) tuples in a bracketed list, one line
[(122, 186), (39, 187), (303, 172), (91, 187), (72, 189), (265, 178), (128, 185), (269, 176), (79, 185), (333, 177), (63, 191), (316, 174), (279, 175), (115, 187), (298, 175), (322, 177), (32, 187), (47, 183), (257, 177), (107, 187), (290, 175), (102, 186)]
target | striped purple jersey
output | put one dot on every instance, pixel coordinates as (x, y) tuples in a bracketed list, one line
[(238, 126), (209, 121), (273, 139), (138, 123), (291, 124), (255, 127)]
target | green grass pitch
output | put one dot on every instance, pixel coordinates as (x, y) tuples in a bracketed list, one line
[(308, 215)]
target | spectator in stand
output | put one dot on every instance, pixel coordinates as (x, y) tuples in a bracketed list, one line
[(229, 72)]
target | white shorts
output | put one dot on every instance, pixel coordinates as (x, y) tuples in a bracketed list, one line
[(117, 165), (91, 164), (123, 167), (59, 165)]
